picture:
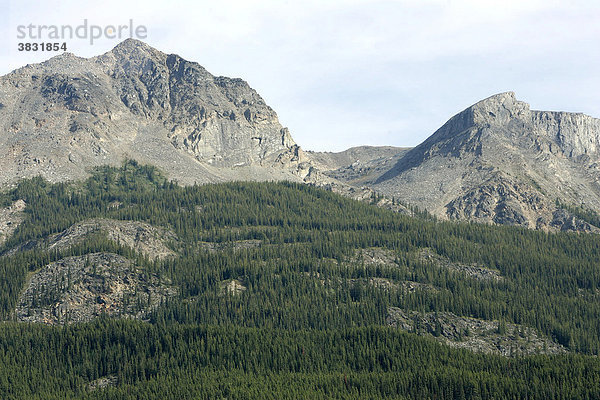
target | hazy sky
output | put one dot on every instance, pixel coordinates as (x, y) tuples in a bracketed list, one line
[(342, 73)]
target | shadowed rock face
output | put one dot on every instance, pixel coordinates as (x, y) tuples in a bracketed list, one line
[(65, 115), (500, 162)]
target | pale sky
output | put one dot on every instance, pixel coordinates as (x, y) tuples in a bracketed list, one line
[(343, 73)]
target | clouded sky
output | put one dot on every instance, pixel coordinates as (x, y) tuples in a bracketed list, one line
[(342, 73)]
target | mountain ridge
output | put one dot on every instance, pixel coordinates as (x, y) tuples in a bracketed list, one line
[(496, 161), (137, 102), (526, 159)]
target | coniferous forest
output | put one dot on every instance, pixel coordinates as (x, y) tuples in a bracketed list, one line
[(308, 323)]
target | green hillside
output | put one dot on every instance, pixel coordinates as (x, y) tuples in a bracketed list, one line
[(282, 290)]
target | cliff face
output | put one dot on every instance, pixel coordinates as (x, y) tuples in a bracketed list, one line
[(500, 162), (218, 120), (63, 116)]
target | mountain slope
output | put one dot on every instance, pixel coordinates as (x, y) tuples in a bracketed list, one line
[(500, 162), (309, 257), (227, 286)]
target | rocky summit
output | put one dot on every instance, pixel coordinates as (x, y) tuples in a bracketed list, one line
[(63, 116), (496, 162), (500, 162)]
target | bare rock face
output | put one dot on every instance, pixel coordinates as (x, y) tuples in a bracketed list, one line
[(357, 165), (473, 271), (232, 287), (103, 382), (218, 120), (10, 219), (500, 162), (150, 241), (144, 238), (492, 337), (79, 289)]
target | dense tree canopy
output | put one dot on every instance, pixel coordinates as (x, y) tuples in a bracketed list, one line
[(307, 326)]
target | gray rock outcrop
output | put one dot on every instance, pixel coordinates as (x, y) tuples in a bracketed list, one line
[(148, 240), (492, 337), (79, 289), (10, 219)]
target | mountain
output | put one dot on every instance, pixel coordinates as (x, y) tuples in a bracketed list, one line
[(68, 114), (127, 284), (495, 162), (500, 162)]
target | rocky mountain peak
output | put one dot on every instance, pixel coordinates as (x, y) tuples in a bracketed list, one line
[(69, 113), (464, 133), (130, 45), (132, 56), (499, 109), (503, 121), (499, 161)]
